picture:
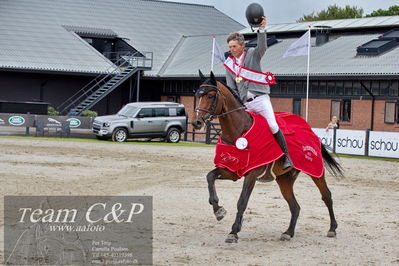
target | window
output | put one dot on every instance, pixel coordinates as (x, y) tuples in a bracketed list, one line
[(331, 88), (341, 109), (314, 88), (391, 112), (346, 110), (384, 87), (300, 87), (291, 87), (393, 89), (180, 111), (335, 108), (348, 87), (283, 87), (297, 107), (128, 111), (339, 89), (323, 87), (357, 88), (376, 46), (145, 112), (375, 87), (161, 112)]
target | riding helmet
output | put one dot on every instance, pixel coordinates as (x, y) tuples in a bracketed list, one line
[(254, 14)]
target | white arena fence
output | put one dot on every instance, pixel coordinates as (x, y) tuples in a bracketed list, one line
[(360, 142)]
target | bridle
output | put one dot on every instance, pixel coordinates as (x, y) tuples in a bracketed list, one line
[(210, 113)]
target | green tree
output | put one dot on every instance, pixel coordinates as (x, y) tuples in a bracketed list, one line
[(334, 12), (391, 11)]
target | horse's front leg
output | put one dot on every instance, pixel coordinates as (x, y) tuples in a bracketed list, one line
[(218, 173), (242, 203)]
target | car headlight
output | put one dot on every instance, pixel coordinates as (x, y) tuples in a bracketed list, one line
[(106, 124)]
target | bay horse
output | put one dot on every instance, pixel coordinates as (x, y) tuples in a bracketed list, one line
[(217, 100)]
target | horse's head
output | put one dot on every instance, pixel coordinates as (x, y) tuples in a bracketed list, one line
[(210, 104)]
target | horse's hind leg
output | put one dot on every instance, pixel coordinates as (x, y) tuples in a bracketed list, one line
[(286, 183), (326, 197)]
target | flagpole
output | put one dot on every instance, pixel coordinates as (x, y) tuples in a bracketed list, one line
[(213, 51), (307, 79)]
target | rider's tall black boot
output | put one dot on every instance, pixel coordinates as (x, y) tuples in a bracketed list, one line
[(279, 136)]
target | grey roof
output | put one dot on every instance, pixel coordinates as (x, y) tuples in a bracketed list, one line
[(354, 23), (90, 31), (194, 53), (32, 35), (335, 58)]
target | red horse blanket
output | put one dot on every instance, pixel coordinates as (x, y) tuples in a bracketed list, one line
[(303, 145)]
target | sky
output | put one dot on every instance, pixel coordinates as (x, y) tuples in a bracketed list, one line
[(288, 11)]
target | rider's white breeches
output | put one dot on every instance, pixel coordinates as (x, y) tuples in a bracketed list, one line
[(262, 105)]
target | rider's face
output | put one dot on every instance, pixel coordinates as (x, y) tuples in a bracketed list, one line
[(236, 48)]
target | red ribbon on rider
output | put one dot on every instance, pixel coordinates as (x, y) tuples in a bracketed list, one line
[(248, 74)]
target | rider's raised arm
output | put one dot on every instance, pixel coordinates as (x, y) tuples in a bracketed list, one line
[(261, 35)]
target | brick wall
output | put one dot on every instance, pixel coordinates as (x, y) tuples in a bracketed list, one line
[(361, 115), (282, 104), (318, 113)]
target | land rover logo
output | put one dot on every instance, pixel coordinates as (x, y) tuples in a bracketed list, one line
[(16, 120), (73, 122)]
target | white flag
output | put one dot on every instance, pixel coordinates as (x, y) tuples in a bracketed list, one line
[(299, 47), (217, 53)]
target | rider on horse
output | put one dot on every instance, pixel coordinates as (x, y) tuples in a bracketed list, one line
[(254, 94)]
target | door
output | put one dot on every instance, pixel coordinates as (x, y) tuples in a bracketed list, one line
[(161, 116), (144, 121)]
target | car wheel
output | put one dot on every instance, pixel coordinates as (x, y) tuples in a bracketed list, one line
[(119, 135), (173, 135)]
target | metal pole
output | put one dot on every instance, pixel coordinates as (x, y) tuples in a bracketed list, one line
[(307, 79), (366, 150), (130, 89), (213, 51), (138, 87)]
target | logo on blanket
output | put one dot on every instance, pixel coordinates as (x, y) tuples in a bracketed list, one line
[(228, 158), (309, 152)]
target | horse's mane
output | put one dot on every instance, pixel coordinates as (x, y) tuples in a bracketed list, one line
[(233, 92)]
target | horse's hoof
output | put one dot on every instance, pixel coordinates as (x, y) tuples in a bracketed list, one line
[(285, 237), (220, 213), (231, 238), (331, 234)]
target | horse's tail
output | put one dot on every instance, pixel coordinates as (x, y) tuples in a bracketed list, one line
[(331, 164)]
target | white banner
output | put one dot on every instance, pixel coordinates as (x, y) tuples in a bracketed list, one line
[(326, 137), (350, 142), (299, 47), (384, 144), (217, 53)]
